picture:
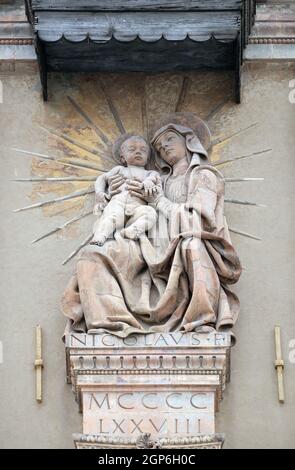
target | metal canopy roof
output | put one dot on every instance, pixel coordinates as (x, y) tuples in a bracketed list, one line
[(147, 26), (136, 5), (140, 35)]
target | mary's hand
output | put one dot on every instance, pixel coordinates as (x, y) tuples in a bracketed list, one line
[(136, 188), (114, 183)]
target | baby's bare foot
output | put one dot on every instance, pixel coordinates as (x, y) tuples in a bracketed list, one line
[(98, 240), (131, 232)]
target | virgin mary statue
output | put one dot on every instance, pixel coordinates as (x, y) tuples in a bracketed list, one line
[(177, 277)]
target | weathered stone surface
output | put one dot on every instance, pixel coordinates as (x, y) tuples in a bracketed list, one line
[(273, 35), (171, 267), (165, 385), (253, 386), (150, 340), (164, 412), (94, 441)]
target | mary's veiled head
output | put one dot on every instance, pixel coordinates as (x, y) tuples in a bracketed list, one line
[(173, 142)]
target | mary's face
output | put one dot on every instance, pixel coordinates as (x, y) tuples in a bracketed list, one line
[(171, 147)]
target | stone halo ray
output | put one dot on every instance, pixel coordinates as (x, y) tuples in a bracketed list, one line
[(93, 157)]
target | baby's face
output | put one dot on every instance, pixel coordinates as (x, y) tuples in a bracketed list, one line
[(135, 151)]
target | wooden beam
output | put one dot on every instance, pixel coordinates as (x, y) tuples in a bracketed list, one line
[(137, 5), (41, 57)]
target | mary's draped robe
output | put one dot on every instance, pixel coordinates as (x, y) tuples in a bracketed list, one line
[(175, 279)]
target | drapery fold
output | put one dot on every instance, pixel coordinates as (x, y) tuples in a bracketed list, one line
[(175, 279)]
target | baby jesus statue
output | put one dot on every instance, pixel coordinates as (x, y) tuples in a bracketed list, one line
[(124, 211)]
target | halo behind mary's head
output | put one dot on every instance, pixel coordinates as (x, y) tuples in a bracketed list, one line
[(188, 120)]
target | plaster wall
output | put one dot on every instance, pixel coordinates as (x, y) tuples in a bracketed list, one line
[(32, 277)]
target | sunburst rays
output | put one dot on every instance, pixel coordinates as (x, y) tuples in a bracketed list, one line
[(86, 151), (103, 137), (63, 226), (112, 107), (55, 200), (182, 94), (233, 134), (69, 162), (79, 247)]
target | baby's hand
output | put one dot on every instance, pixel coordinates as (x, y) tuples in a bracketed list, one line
[(150, 187), (101, 202)]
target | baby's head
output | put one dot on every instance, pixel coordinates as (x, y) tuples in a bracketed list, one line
[(134, 150)]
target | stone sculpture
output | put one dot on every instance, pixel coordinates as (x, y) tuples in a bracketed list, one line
[(175, 277), (134, 153)]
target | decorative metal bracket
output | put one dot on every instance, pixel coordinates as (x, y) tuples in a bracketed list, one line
[(38, 364), (279, 364)]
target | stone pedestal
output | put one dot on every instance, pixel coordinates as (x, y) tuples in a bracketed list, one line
[(155, 390)]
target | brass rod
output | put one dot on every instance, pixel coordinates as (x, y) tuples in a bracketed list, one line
[(38, 363), (279, 364)]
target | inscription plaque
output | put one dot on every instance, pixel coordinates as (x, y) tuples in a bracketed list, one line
[(128, 413), (158, 389)]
